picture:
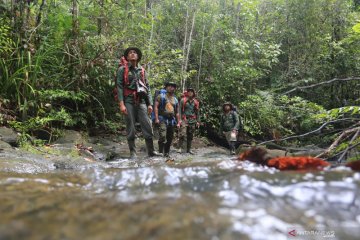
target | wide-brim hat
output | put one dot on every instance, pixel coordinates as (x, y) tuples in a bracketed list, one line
[(170, 84), (137, 50), (190, 89), (227, 103)]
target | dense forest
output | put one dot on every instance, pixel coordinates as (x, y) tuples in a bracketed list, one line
[(291, 67)]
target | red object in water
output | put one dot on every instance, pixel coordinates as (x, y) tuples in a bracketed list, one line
[(255, 154), (261, 156), (355, 165), (297, 163)]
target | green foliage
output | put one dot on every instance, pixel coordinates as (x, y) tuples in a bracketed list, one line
[(263, 114), (59, 95), (260, 115), (59, 72), (6, 43), (300, 114), (339, 113)]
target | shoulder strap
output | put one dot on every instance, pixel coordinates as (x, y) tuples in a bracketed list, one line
[(142, 73), (184, 103), (163, 99), (126, 75), (196, 104), (176, 101), (233, 115)]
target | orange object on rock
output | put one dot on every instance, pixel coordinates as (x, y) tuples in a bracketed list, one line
[(297, 163)]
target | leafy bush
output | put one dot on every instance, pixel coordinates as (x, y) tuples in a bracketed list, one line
[(263, 114)]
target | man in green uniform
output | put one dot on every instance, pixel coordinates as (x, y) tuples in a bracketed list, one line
[(189, 116), (229, 125), (166, 117), (134, 100)]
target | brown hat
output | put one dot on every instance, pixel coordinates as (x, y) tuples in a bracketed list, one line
[(227, 103), (170, 84), (190, 89), (137, 50)]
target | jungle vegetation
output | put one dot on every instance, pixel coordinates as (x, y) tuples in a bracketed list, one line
[(291, 67)]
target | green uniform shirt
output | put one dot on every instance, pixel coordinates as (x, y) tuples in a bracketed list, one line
[(190, 111), (134, 75), (229, 121)]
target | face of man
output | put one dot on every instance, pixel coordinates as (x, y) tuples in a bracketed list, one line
[(132, 56), (170, 89), (190, 94), (227, 108)]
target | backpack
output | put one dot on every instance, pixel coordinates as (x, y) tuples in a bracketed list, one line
[(162, 104), (124, 63), (234, 109), (184, 96)]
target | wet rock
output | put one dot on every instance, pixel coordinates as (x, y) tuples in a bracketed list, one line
[(9, 136), (71, 136), (4, 146)]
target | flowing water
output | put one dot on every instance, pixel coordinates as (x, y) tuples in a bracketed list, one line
[(207, 196)]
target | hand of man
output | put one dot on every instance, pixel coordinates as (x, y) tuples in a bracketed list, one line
[(179, 124), (197, 124), (150, 109), (157, 121), (123, 109)]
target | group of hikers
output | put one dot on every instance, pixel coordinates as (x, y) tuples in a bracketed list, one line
[(167, 113)]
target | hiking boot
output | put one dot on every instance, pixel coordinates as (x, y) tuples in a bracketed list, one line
[(133, 155), (150, 148), (232, 148), (167, 150), (132, 149), (188, 148), (161, 147), (190, 152)]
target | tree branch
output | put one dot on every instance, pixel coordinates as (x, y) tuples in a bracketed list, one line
[(337, 141), (348, 148), (321, 83), (311, 132)]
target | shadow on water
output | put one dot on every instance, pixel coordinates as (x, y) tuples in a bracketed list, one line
[(207, 196)]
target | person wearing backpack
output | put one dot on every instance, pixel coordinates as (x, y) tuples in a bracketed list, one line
[(189, 119), (229, 125), (133, 93), (166, 117)]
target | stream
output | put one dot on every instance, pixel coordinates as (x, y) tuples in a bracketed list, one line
[(209, 195)]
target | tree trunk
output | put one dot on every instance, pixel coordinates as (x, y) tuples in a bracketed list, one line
[(150, 40), (100, 19), (200, 61), (73, 41), (184, 47), (188, 51), (237, 19)]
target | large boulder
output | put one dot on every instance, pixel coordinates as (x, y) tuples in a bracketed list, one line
[(71, 136), (9, 136), (4, 145)]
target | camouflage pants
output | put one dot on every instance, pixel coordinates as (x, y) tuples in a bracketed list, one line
[(186, 134), (231, 139), (166, 136)]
